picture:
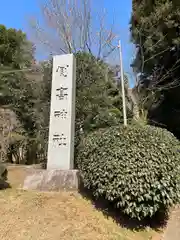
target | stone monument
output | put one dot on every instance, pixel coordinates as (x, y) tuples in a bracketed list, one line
[(62, 116), (59, 174)]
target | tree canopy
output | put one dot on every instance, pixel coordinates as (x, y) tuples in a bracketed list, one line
[(26, 93), (17, 94), (155, 28), (15, 50)]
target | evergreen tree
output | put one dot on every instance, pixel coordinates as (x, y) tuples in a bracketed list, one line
[(155, 28), (15, 50)]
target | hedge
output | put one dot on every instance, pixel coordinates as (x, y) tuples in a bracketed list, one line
[(136, 168)]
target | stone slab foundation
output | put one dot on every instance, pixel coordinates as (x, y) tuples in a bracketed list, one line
[(52, 180)]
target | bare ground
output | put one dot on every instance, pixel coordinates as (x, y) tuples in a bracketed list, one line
[(172, 231), (56, 216)]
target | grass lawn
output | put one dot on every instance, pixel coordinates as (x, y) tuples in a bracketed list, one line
[(32, 215)]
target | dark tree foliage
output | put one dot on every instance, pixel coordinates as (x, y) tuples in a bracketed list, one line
[(27, 93), (98, 99), (155, 32), (15, 50), (16, 90)]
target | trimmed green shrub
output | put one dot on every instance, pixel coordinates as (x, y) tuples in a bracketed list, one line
[(136, 168)]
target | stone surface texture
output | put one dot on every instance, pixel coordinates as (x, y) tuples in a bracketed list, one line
[(52, 180), (62, 116)]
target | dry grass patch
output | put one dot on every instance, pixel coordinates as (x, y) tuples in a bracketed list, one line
[(56, 216)]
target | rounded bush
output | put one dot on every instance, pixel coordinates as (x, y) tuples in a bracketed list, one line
[(136, 168)]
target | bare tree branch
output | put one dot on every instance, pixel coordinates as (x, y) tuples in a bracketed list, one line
[(71, 26)]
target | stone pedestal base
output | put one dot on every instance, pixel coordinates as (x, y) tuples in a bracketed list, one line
[(52, 180)]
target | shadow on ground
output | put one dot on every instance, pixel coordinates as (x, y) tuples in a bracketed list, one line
[(158, 222), (4, 185)]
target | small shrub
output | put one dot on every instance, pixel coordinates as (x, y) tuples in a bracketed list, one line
[(136, 168)]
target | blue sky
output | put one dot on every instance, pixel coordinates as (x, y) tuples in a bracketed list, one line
[(15, 13)]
